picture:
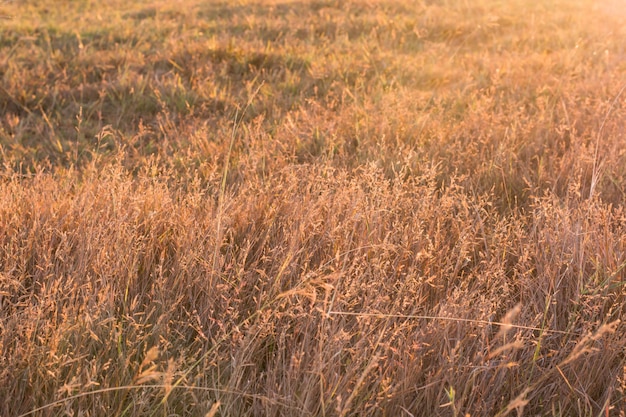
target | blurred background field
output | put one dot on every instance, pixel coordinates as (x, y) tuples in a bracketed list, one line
[(325, 208)]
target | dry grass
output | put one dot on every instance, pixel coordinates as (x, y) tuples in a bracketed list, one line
[(327, 208)]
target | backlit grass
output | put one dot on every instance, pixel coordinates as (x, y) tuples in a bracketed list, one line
[(325, 208)]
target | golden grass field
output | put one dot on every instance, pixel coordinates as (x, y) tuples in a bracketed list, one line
[(312, 208)]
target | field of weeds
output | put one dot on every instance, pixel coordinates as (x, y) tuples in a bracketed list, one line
[(312, 208)]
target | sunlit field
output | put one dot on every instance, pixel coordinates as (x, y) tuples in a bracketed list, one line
[(312, 208)]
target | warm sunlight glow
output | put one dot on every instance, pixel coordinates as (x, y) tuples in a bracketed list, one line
[(312, 208)]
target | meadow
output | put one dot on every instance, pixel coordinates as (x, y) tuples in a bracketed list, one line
[(312, 208)]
